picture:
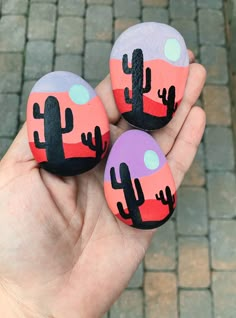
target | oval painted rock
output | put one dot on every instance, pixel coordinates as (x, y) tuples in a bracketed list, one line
[(68, 128), (138, 184), (149, 67)]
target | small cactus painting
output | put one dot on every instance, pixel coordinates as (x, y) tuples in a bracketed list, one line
[(67, 124)]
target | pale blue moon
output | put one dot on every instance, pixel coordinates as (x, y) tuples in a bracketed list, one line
[(172, 50), (151, 160), (79, 94)]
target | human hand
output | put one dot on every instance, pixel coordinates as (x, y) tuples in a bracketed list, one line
[(62, 251)]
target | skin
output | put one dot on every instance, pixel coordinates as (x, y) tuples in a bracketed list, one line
[(62, 252)]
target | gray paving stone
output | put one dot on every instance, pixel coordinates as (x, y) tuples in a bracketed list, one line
[(70, 34), (219, 148), (121, 24), (137, 279), (4, 145), (155, 14), (211, 27), (42, 21), (223, 242), (71, 7), (215, 4), (229, 10), (36, 63), (129, 305), (217, 105), (47, 1), (99, 1), (27, 86), (124, 8), (94, 83), (221, 194), (8, 114), (224, 291), (161, 254), (182, 8), (97, 56), (99, 23), (194, 302), (193, 265), (14, 6), (10, 70), (12, 33), (188, 29), (196, 174), (232, 56), (192, 211), (160, 290), (69, 63), (155, 3), (215, 61)]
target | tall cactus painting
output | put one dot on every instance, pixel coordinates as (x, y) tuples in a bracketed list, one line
[(132, 202), (52, 128), (138, 89)]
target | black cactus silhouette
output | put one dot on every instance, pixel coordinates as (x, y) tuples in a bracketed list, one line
[(97, 145), (52, 128), (137, 80), (133, 204), (168, 101), (167, 199)]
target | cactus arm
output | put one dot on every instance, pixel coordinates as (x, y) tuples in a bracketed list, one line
[(162, 96), (38, 144), (83, 139), (115, 184), (148, 81), (88, 141), (125, 65), (139, 190), (175, 107), (161, 197), (122, 211), (69, 121), (128, 100), (36, 112)]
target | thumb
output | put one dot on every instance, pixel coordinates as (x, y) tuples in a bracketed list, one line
[(19, 151)]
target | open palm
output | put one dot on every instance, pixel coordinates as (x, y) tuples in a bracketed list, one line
[(62, 252)]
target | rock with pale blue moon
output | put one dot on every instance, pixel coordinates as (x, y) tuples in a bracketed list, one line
[(138, 184), (149, 66), (68, 128)]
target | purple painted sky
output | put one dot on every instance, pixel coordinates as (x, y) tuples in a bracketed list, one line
[(61, 82), (151, 37), (130, 148)]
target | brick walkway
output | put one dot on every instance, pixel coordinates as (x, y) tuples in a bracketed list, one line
[(190, 268)]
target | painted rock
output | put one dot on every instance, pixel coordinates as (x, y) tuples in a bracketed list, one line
[(149, 67), (138, 184), (68, 129)]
